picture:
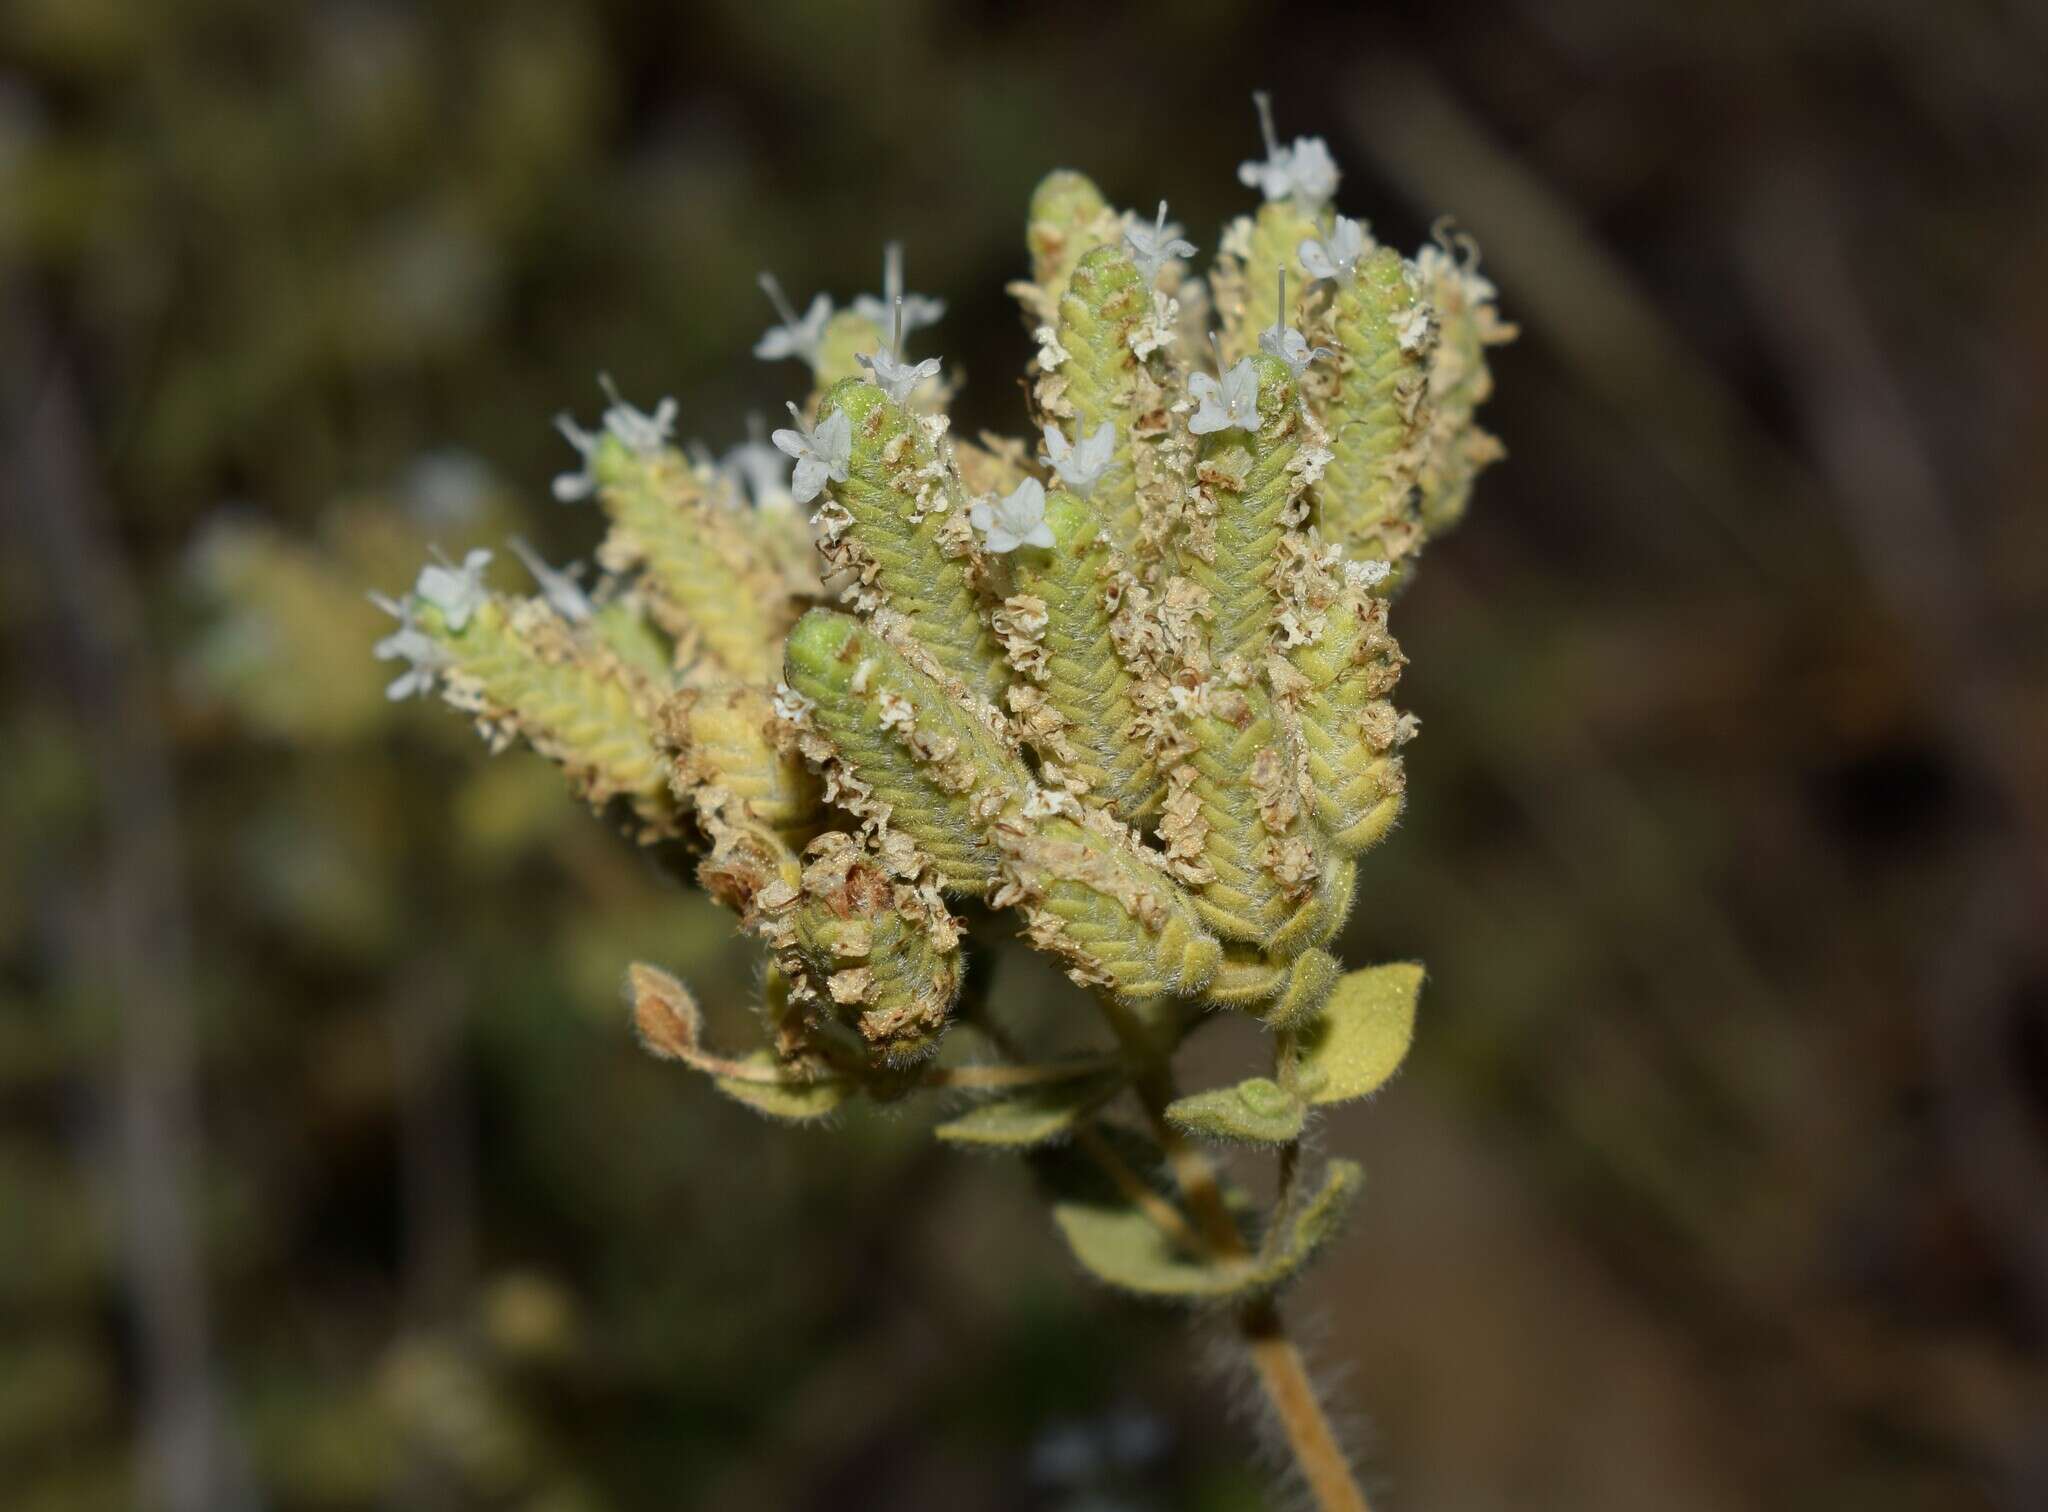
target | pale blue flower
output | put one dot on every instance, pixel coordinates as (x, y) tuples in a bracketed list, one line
[(455, 591), (1291, 347), (573, 487), (1232, 404), (635, 429), (797, 335), (424, 656), (1081, 467), (1016, 519), (1336, 255), (759, 472), (820, 454), (913, 311), (1304, 172), (563, 593), (897, 379), (1153, 246)]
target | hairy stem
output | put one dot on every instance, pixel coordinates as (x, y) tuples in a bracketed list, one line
[(1285, 1380), (1277, 1361)]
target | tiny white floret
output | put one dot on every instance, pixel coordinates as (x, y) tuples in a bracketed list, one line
[(796, 335), (820, 454), (915, 311), (1291, 347), (1016, 519), (1336, 255), (455, 591), (573, 487), (1230, 404), (894, 378), (636, 429), (560, 588), (1153, 246), (1304, 172), (408, 643), (1081, 467), (758, 471)]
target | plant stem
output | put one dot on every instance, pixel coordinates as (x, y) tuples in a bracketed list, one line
[(1285, 1380), (1283, 1375)]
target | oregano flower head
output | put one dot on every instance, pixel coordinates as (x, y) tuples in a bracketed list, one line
[(1126, 699)]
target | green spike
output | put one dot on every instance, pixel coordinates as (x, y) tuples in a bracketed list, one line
[(1074, 673), (1246, 278), (526, 674), (1098, 381), (709, 580), (901, 528), (1379, 417), (1351, 733)]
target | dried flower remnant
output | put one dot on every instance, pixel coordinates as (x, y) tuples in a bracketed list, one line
[(1134, 694)]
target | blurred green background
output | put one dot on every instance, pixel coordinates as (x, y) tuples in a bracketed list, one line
[(330, 1176)]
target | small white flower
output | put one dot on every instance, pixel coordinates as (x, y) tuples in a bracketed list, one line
[(1304, 172), (1291, 347), (759, 472), (563, 593), (455, 591), (797, 335), (635, 429), (1081, 467), (915, 311), (820, 454), (1336, 255), (897, 379), (1232, 404), (572, 487), (412, 645), (1016, 519), (1153, 246)]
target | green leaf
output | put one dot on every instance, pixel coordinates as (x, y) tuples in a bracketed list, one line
[(795, 1102), (1364, 1032), (1112, 1237), (1031, 1117), (1317, 1220), (1259, 1111)]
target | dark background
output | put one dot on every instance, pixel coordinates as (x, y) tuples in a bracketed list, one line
[(329, 1174)]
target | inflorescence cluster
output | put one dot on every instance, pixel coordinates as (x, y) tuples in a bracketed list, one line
[(1128, 682)]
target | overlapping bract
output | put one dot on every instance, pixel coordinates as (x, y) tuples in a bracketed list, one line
[(1161, 740)]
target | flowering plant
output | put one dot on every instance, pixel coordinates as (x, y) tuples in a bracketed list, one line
[(1134, 697)]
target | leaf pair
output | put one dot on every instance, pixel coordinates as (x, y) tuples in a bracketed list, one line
[(1349, 1052)]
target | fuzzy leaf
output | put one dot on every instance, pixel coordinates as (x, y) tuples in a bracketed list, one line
[(1363, 1034), (794, 1102), (1031, 1117), (1258, 1111), (1111, 1236), (1316, 1221)]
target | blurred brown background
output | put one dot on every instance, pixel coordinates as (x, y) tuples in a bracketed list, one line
[(329, 1175)]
